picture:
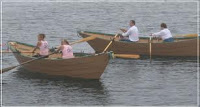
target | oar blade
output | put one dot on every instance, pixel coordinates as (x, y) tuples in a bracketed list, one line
[(8, 69), (129, 56), (84, 40), (186, 35)]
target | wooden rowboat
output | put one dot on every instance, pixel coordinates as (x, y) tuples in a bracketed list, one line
[(186, 46), (87, 66)]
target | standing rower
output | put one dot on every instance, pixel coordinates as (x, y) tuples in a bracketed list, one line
[(165, 34)]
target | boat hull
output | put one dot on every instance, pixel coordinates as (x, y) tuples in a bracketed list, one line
[(186, 47), (87, 67)]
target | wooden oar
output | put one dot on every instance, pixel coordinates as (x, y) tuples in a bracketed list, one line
[(186, 35), (121, 55), (15, 52), (110, 43), (150, 48), (84, 40), (127, 56), (9, 68)]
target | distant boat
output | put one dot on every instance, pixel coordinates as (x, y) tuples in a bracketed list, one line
[(87, 66), (182, 46)]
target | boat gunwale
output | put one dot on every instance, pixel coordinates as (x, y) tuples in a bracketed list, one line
[(107, 34), (18, 52)]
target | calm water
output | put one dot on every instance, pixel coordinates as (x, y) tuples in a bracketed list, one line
[(167, 81)]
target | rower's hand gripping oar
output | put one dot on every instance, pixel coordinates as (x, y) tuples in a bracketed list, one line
[(10, 68)]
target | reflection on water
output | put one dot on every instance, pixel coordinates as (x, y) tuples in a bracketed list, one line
[(123, 81), (69, 91)]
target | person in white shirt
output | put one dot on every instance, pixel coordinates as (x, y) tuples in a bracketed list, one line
[(132, 34), (165, 34)]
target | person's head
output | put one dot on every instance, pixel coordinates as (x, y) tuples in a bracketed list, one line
[(64, 42), (132, 22), (163, 25), (41, 37)]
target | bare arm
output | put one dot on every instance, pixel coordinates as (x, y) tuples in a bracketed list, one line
[(59, 48), (37, 46)]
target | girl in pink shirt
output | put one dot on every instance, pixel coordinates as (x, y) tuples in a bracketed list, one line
[(66, 49), (42, 45)]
